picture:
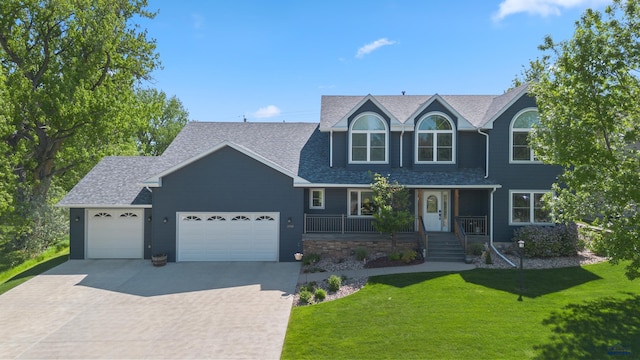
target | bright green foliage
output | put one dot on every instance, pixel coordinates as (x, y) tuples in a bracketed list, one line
[(588, 91), (166, 118), (68, 70), (392, 203), (71, 67), (334, 283), (408, 256), (319, 295)]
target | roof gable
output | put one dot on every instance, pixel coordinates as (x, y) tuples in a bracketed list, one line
[(156, 180), (473, 111)]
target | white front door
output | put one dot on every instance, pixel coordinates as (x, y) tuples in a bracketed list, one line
[(435, 209)]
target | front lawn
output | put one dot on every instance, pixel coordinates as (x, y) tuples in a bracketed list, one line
[(571, 313), (12, 276)]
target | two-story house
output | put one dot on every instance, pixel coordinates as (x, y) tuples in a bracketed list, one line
[(253, 191)]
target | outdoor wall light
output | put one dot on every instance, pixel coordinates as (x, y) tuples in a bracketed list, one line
[(77, 219), (149, 219), (289, 221), (165, 220)]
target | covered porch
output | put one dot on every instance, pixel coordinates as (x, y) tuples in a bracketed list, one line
[(459, 212)]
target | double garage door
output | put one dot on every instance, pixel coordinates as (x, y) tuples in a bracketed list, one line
[(115, 234), (228, 236)]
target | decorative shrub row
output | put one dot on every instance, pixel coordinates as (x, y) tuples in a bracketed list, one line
[(548, 241)]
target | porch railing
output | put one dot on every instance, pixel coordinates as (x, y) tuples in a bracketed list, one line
[(461, 234), (341, 224), (473, 225)]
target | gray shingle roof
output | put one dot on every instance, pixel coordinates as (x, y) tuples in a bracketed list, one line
[(277, 142), (113, 182), (478, 110), (299, 148)]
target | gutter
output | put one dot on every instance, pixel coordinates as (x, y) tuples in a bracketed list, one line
[(491, 230), (486, 165)]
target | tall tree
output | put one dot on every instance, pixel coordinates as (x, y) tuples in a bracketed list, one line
[(392, 213), (71, 67), (588, 91), (166, 118)]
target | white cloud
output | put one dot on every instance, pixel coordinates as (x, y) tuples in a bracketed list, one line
[(373, 46), (267, 112), (198, 21), (542, 8)]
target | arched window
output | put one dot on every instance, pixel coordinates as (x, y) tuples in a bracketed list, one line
[(521, 126), (435, 140), (369, 140)]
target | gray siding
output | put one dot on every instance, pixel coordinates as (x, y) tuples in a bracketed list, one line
[(534, 176), (227, 181), (76, 233)]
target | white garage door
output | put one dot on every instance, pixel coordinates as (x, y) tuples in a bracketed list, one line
[(115, 233), (233, 236)]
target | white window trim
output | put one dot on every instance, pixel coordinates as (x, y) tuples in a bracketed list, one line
[(386, 139), (511, 161), (435, 140), (531, 207), (311, 206), (359, 191)]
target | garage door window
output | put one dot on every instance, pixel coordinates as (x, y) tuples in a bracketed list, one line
[(102, 215), (191, 218), (240, 218), (216, 218), (128, 215), (265, 218)]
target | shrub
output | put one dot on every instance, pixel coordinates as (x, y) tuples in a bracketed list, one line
[(310, 287), (409, 256), (319, 295), (548, 241), (334, 283), (487, 259), (361, 254), (476, 249), (305, 296), (394, 256), (309, 259), (593, 239)]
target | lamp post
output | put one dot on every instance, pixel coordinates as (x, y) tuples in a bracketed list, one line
[(521, 247)]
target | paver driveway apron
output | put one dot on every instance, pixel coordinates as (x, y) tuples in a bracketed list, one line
[(130, 309)]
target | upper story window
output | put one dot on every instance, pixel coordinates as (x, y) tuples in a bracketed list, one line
[(369, 140), (521, 126), (435, 140)]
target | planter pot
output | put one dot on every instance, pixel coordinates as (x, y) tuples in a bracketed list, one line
[(298, 256), (159, 260), (468, 259)]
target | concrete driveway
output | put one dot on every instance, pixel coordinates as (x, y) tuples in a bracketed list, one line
[(86, 309)]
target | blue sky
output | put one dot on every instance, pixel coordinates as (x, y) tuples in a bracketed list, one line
[(273, 60)]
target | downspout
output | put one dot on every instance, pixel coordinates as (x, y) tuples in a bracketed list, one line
[(401, 152), (331, 148), (491, 231), (486, 163)]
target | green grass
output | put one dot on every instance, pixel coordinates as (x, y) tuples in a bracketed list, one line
[(571, 313), (14, 276)]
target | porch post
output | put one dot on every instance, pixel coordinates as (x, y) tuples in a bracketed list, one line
[(456, 209)]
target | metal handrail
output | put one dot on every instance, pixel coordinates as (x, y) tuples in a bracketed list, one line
[(462, 235)]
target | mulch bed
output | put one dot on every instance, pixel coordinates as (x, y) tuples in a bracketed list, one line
[(385, 262)]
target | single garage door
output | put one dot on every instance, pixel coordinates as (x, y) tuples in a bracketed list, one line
[(115, 233), (235, 236)]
